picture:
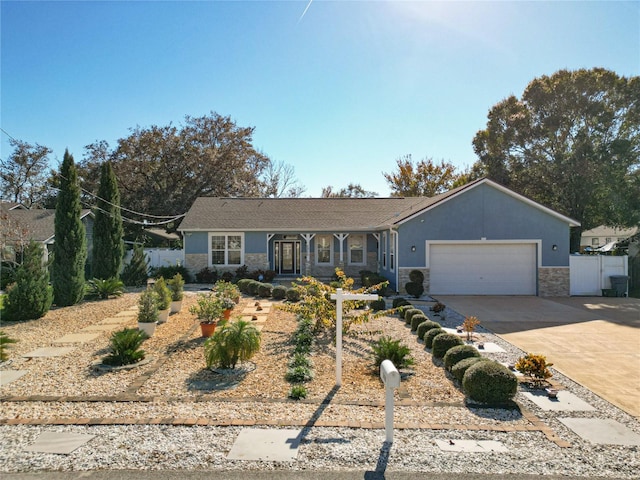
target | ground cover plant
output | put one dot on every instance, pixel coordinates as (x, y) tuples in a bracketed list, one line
[(125, 347), (387, 348)]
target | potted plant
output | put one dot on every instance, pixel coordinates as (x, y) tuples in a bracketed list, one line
[(227, 289), (148, 312), (176, 286), (227, 306), (163, 296), (208, 310)]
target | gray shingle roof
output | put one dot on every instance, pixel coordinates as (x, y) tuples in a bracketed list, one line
[(38, 224)]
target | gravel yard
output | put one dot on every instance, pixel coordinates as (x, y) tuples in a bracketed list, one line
[(176, 384)]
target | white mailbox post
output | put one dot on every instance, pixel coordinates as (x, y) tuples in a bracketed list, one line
[(339, 297), (391, 379)]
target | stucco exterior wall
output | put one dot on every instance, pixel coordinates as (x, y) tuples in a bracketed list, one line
[(553, 282)]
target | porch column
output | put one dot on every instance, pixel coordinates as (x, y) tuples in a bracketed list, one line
[(341, 237), (275, 267), (307, 264), (377, 237)]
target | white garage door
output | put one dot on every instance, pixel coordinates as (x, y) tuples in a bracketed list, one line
[(487, 269)]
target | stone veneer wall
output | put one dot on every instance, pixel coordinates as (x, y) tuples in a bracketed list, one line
[(553, 282), (403, 279), (197, 261)]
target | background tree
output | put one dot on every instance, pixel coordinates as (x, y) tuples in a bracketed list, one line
[(279, 181), (23, 176), (108, 245), (351, 191), (162, 170), (425, 178), (70, 243), (571, 143), (30, 297)]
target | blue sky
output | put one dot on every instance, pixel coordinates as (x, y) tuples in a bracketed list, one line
[(339, 93)]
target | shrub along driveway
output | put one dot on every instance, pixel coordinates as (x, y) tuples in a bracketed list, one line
[(593, 340)]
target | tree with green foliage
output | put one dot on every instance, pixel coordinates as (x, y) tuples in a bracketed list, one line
[(70, 243), (23, 175), (30, 296), (426, 178), (108, 246), (135, 273), (572, 143), (353, 190)]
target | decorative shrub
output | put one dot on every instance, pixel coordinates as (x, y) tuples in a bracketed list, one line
[(293, 294), (459, 368), (535, 367), (134, 273), (170, 271), (242, 272), (378, 305), (469, 325), (408, 314), (417, 320), (399, 301), (125, 347), (414, 289), (455, 354), (253, 287), (443, 342), (176, 286), (369, 278), (103, 289), (243, 285), (489, 382), (300, 360), (264, 290), (297, 392), (163, 294), (279, 292), (8, 274), (424, 327), (416, 276), (299, 374), (438, 307), (430, 335), (147, 307), (403, 309), (207, 275), (235, 342), (226, 276), (387, 348), (5, 341), (264, 275)]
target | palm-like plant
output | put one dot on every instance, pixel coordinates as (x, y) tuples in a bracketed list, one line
[(125, 347), (235, 342), (103, 289)]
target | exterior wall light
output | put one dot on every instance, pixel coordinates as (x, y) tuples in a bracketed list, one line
[(554, 248), (413, 248)]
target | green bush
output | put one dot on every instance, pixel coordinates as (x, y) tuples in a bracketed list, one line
[(416, 276), (430, 335), (402, 309), (399, 301), (368, 278), (408, 314), (176, 286), (8, 276), (297, 392), (414, 289), (253, 287), (424, 327), (264, 290), (459, 368), (489, 382), (455, 354), (103, 289), (387, 348), (300, 360), (293, 294), (170, 271), (443, 342), (134, 273), (125, 347), (235, 342), (417, 320), (243, 285), (279, 292), (163, 294), (378, 305), (299, 374), (5, 341), (207, 275)]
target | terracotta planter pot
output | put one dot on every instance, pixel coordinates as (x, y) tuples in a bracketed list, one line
[(163, 315), (227, 313), (176, 306), (207, 329)]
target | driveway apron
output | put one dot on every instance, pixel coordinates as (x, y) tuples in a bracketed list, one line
[(595, 341)]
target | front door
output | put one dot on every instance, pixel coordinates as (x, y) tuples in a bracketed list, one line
[(288, 257)]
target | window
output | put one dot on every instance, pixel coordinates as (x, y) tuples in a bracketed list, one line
[(392, 251), (607, 240), (324, 249), (356, 249), (595, 241), (226, 249), (384, 249)]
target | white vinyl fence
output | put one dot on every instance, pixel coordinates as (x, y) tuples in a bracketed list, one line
[(160, 257), (590, 273)]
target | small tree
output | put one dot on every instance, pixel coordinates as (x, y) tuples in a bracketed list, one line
[(469, 325), (235, 342), (108, 246), (70, 245), (135, 272), (30, 297), (535, 367)]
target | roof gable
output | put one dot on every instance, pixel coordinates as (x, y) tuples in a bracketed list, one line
[(34, 224)]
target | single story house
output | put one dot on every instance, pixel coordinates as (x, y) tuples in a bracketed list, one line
[(19, 225), (477, 239), (603, 236)]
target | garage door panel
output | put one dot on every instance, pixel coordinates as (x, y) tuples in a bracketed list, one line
[(493, 269)]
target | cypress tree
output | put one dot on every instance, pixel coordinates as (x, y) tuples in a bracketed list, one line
[(70, 243), (135, 272), (108, 247), (30, 297)]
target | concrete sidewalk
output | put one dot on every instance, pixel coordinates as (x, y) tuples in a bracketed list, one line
[(595, 341)]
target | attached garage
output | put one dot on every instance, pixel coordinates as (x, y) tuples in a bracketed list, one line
[(483, 268)]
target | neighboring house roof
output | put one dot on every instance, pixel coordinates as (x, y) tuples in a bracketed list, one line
[(604, 231), (313, 214), (6, 206), (34, 224)]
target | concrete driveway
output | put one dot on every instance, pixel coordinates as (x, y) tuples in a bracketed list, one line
[(595, 341)]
